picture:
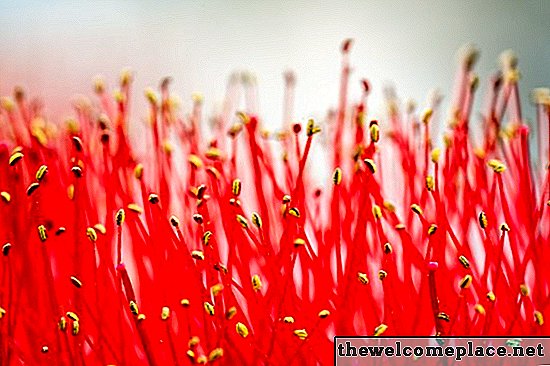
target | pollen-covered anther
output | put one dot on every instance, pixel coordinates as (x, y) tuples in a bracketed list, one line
[(323, 314), (134, 309), (15, 158), (242, 221), (371, 165), (230, 313), (417, 209), (120, 217), (400, 227), (504, 227), (524, 290), (2, 312), (301, 333), (432, 229), (362, 277), (134, 207), (539, 318), (256, 283), (153, 199), (91, 234), (141, 317), (193, 342), (198, 218), (236, 187), (491, 296), (216, 289), (443, 316), (206, 237), (286, 199), (6, 249), (41, 173), (165, 313), (496, 165), (256, 220), (427, 115), (388, 249), (293, 211), (195, 161), (379, 330), (479, 309), (32, 187), (288, 320), (174, 221), (220, 268), (389, 206), (465, 282), (62, 323), (76, 327), (376, 212), (464, 261), (312, 128), (216, 354), (430, 183), (382, 274), (241, 329), (213, 153), (337, 176), (76, 282), (185, 303), (483, 220), (138, 171), (298, 242), (209, 308), (374, 132), (198, 255), (42, 233), (44, 349), (72, 315), (435, 155), (200, 191), (6, 197)]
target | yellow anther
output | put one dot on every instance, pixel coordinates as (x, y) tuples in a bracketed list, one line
[(141, 317), (323, 314), (62, 324), (376, 212), (15, 157), (362, 277), (206, 237), (193, 342), (2, 312), (374, 132), (491, 296), (153, 199), (151, 96), (443, 316), (230, 313), (138, 171), (236, 187), (379, 330), (209, 308), (400, 226), (101, 228), (216, 354), (185, 303), (382, 274), (432, 229), (242, 330), (76, 327), (464, 261), (216, 289), (197, 254), (389, 206), (430, 183), (42, 233), (214, 153), (6, 197), (388, 249), (6, 249), (497, 165), (134, 309), (72, 315), (524, 290), (293, 211), (479, 309), (435, 155), (288, 319), (242, 220), (202, 360), (417, 209), (76, 282), (41, 172), (135, 208), (120, 216), (195, 161), (301, 333), (91, 234), (286, 199), (311, 128), (44, 349), (483, 220), (32, 187), (427, 115), (198, 218), (504, 227), (337, 176), (256, 282), (165, 313), (298, 242), (256, 220), (70, 191), (174, 221), (371, 165), (539, 318), (465, 282)]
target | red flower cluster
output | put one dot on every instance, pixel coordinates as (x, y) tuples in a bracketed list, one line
[(215, 250)]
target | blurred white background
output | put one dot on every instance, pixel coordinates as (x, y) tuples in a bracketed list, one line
[(55, 48)]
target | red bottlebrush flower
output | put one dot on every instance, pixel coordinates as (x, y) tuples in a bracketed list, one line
[(218, 251)]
